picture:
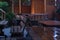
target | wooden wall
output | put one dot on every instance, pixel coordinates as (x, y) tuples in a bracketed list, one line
[(26, 9), (50, 11), (16, 6), (50, 8), (16, 10), (37, 6)]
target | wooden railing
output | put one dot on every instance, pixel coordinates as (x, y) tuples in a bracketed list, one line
[(38, 17)]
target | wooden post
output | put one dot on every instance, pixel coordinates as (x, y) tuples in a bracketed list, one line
[(45, 6), (19, 6), (12, 6), (55, 3), (32, 6)]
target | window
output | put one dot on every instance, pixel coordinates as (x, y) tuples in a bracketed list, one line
[(16, 2), (26, 2), (51, 2)]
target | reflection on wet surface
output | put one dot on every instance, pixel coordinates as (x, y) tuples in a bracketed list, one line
[(17, 31), (57, 34), (50, 33)]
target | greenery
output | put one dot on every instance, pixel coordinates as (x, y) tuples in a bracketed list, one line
[(5, 7), (10, 16), (3, 4)]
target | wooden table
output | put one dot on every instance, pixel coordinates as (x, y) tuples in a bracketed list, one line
[(49, 28), (50, 23)]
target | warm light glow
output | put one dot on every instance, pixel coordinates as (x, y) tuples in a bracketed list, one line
[(32, 7), (32, 10)]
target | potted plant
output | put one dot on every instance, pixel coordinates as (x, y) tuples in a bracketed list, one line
[(10, 17)]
